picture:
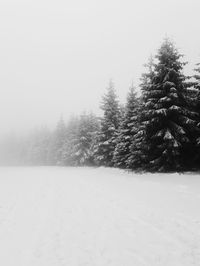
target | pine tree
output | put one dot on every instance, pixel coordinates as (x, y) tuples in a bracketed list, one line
[(106, 139), (196, 90), (58, 142), (83, 142), (69, 143), (94, 128), (37, 147), (127, 130), (136, 158), (197, 76), (195, 102), (166, 116), (138, 149), (79, 141)]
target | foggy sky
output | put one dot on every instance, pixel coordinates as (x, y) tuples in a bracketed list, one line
[(58, 56)]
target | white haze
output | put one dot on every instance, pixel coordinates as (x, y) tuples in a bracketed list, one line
[(58, 56)]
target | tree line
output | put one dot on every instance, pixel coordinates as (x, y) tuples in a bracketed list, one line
[(157, 131)]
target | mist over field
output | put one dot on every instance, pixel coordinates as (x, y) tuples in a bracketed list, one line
[(57, 58), (99, 133)]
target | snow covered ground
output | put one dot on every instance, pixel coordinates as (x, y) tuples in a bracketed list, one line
[(53, 216)]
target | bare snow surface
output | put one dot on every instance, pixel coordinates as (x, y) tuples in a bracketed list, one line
[(98, 217)]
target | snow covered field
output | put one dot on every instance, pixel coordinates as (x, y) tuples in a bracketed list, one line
[(98, 217)]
